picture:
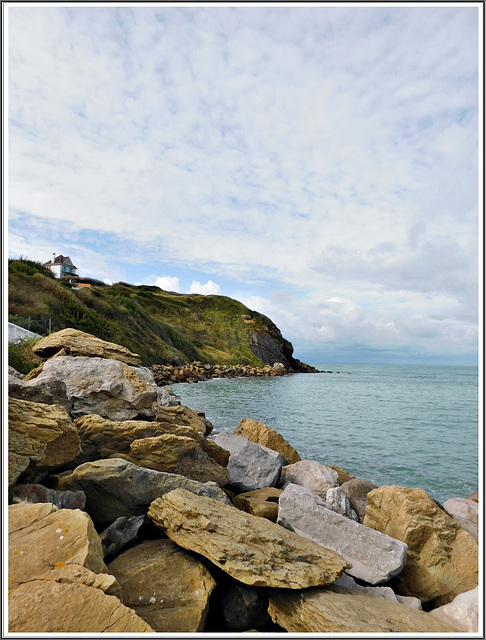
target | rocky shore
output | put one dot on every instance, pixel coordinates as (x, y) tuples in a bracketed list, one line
[(128, 514)]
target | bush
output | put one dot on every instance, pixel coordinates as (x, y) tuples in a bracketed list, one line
[(21, 355)]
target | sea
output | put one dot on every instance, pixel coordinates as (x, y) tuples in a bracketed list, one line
[(416, 426)]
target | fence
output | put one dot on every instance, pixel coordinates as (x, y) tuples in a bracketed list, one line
[(17, 334)]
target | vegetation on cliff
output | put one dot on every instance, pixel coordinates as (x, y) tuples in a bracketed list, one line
[(163, 327)]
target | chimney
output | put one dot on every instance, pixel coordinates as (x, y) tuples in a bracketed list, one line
[(53, 258)]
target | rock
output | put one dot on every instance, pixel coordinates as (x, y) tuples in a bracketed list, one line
[(79, 343), (34, 493), (348, 582), (278, 369), (465, 513), (374, 558), (462, 613), (14, 373), (119, 534), (262, 502), (57, 575), (116, 488), (177, 454), (244, 607), (338, 501), (473, 496), (109, 388), (46, 392), (164, 585), (102, 438), (253, 550), (357, 490), (267, 437), (40, 437), (442, 557), (309, 474), (343, 475), (185, 417), (250, 465), (338, 610)]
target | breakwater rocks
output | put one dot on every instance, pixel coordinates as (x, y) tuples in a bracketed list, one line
[(128, 514)]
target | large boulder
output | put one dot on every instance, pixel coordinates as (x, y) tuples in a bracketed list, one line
[(267, 437), (109, 388), (374, 557), (252, 550), (116, 487), (250, 465), (357, 490), (45, 391), (338, 610), (185, 417), (462, 612), (73, 342), (309, 474), (41, 437), (442, 558), (58, 582), (465, 512), (164, 585)]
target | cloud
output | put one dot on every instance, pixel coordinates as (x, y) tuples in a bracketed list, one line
[(168, 283), (209, 288)]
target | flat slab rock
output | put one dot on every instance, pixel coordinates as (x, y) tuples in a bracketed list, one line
[(338, 610), (267, 437), (253, 550), (374, 557)]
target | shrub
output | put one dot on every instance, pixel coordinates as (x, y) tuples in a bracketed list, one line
[(21, 355)]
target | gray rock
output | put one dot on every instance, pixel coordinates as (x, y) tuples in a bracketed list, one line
[(167, 399), (357, 491), (116, 487), (465, 512), (251, 466), (34, 493), (119, 534), (309, 474), (244, 607), (375, 557), (44, 391), (109, 388), (13, 372), (338, 501), (462, 613), (348, 582)]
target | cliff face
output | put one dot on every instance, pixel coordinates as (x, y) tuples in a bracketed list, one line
[(163, 327)]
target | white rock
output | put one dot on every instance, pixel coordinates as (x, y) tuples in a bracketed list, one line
[(309, 474), (462, 613)]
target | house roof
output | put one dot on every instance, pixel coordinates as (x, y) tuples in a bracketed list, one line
[(60, 260)]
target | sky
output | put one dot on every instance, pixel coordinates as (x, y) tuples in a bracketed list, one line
[(318, 163)]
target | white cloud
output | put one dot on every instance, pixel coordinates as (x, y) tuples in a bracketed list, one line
[(209, 288), (168, 283)]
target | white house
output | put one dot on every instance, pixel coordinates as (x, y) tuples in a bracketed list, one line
[(61, 266)]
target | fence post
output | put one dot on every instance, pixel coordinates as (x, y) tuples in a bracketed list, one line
[(29, 324), (49, 327)]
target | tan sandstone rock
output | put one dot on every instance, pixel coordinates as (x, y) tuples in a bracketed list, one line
[(267, 437), (185, 417), (338, 610), (164, 585), (79, 343), (442, 559), (253, 550), (261, 502), (40, 436), (57, 579)]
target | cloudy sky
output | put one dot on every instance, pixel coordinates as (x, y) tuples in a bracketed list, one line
[(318, 163)]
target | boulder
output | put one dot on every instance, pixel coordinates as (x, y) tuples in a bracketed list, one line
[(34, 493), (343, 475), (278, 369), (44, 391), (338, 610), (462, 612), (374, 557), (267, 437), (357, 490), (338, 501), (57, 575), (164, 585), (110, 388), (473, 496), (102, 438), (442, 558), (79, 343), (262, 502), (177, 454), (40, 437), (309, 474), (252, 550), (348, 582), (116, 488), (250, 465), (185, 417), (120, 534), (243, 607), (465, 512), (12, 372)]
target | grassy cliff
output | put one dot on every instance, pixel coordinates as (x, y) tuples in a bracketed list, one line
[(163, 327)]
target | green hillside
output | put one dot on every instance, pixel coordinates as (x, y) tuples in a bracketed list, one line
[(163, 327)]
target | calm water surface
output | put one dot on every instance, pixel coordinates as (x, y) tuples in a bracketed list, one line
[(414, 426)]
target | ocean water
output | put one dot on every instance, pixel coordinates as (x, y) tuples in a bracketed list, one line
[(413, 426)]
